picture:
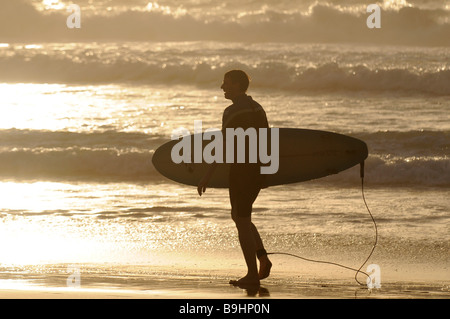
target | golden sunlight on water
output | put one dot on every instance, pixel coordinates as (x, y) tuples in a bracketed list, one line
[(51, 222), (35, 196), (57, 107), (22, 111), (30, 235)]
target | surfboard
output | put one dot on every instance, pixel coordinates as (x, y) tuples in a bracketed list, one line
[(303, 155)]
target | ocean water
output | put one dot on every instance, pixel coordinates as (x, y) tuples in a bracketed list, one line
[(83, 111)]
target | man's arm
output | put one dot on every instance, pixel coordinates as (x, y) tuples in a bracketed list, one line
[(201, 188)]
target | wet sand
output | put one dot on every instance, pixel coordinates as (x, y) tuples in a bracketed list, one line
[(143, 282)]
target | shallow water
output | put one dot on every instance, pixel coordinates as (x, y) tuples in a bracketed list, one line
[(80, 120)]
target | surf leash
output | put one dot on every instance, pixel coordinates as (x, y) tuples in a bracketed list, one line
[(358, 271)]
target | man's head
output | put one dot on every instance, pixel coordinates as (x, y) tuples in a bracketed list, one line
[(235, 83)]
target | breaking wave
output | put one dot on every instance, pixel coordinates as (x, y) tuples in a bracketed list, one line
[(332, 76), (395, 158), (321, 22)]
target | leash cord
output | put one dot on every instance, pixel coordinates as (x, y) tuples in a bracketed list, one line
[(337, 264)]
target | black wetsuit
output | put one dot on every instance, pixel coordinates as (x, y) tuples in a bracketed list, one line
[(245, 178)]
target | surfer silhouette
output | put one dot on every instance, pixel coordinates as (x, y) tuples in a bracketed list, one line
[(245, 179)]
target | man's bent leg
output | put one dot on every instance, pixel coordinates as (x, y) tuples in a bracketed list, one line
[(242, 199), (264, 263)]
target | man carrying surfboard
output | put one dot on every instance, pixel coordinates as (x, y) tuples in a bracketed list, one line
[(246, 180)]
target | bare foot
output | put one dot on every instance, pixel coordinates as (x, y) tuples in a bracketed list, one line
[(246, 281), (264, 267)]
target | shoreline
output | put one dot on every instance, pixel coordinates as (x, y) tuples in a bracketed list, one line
[(129, 282)]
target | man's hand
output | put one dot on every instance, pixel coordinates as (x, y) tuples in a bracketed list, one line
[(201, 188)]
